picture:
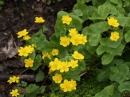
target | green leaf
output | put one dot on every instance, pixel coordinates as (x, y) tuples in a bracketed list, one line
[(97, 3), (116, 92), (124, 86), (127, 36), (31, 88), (34, 94), (110, 43), (103, 75), (96, 28), (94, 39), (124, 21), (76, 20), (91, 49), (23, 84), (101, 49), (41, 90), (116, 2), (86, 10), (32, 55), (77, 12), (39, 76), (82, 65), (119, 73), (72, 75), (107, 58), (36, 62), (102, 13), (106, 92), (21, 95)]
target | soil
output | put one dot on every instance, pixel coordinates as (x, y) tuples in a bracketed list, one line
[(15, 16)]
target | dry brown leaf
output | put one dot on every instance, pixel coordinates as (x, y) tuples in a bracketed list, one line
[(10, 50)]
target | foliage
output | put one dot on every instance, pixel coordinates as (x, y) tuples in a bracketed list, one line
[(1, 3), (87, 87), (94, 36)]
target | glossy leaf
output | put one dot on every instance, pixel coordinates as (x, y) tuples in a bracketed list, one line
[(106, 92), (119, 73), (94, 39), (36, 62), (107, 58), (39, 76), (124, 86), (127, 36)]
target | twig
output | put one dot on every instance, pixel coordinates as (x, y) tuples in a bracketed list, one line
[(29, 78)]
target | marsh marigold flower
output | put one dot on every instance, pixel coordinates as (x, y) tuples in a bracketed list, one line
[(68, 86), (73, 31), (64, 41), (77, 55), (63, 67), (57, 78), (73, 63), (75, 39), (22, 33), (14, 93), (54, 65), (113, 22), (78, 39), (46, 55), (13, 79), (114, 36), (66, 19), (83, 39), (25, 51), (39, 20), (28, 62), (26, 37), (55, 52)]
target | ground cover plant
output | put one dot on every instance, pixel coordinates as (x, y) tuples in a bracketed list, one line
[(94, 37)]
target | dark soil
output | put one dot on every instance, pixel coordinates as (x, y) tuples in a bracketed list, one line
[(17, 15)]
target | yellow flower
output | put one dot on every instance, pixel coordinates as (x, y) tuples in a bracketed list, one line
[(13, 79), (16, 79), (57, 78), (77, 55), (83, 39), (26, 37), (55, 52), (78, 39), (28, 62), (22, 33), (73, 32), (73, 84), (46, 55), (25, 51), (73, 63), (54, 65), (63, 67), (30, 48), (14, 93), (68, 86), (114, 36), (113, 22), (75, 39), (66, 19), (64, 41), (39, 20)]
